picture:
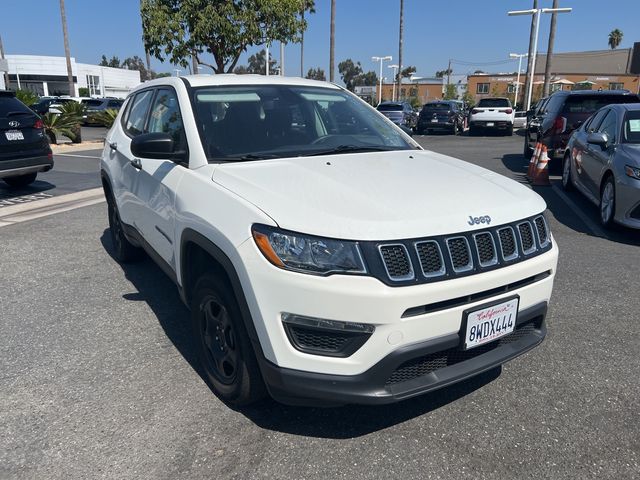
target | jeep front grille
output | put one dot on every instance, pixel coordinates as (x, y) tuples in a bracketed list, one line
[(448, 256)]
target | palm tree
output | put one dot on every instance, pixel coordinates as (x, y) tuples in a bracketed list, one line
[(552, 38), (400, 41), (530, 73), (307, 5), (65, 34), (615, 38), (332, 42)]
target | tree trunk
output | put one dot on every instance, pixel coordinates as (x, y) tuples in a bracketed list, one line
[(529, 58), (552, 38), (332, 42), (65, 34), (400, 44)]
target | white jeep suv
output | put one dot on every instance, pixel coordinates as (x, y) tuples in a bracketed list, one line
[(325, 257)]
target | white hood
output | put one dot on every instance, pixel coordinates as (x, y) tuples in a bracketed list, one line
[(379, 195)]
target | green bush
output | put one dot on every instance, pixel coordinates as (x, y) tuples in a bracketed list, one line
[(72, 113), (55, 124), (27, 97), (83, 92), (105, 117)]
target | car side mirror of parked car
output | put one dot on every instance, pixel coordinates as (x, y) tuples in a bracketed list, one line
[(598, 138), (157, 145)]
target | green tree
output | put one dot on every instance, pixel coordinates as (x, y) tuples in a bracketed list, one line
[(316, 74), (176, 30), (136, 63), (450, 92), (114, 62), (467, 97), (83, 92), (615, 38), (257, 64), (407, 72), (26, 96), (443, 73), (353, 75)]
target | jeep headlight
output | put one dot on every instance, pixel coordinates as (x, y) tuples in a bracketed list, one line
[(307, 253)]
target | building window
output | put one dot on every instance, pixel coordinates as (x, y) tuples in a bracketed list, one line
[(616, 86), (511, 88), (556, 87), (93, 84), (482, 88)]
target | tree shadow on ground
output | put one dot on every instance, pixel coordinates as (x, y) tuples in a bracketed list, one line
[(159, 292)]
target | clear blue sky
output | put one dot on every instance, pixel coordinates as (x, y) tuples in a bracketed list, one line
[(467, 30)]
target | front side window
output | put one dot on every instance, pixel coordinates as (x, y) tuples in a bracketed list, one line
[(134, 124), (482, 88), (274, 121), (595, 121), (165, 116), (609, 127)]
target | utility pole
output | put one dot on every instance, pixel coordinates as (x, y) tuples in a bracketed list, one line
[(282, 59), (400, 45), (552, 39), (332, 42), (6, 74), (532, 35), (449, 73), (65, 34)]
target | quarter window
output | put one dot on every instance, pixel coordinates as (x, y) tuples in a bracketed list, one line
[(595, 121), (137, 113), (482, 88)]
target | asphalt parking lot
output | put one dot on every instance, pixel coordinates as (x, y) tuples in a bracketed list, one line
[(99, 378)]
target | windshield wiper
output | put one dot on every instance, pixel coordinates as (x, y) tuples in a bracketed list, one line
[(250, 156), (349, 149)]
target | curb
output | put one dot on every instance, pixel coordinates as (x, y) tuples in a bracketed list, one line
[(72, 147)]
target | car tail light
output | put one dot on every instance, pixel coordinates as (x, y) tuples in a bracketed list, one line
[(38, 124), (559, 125), (474, 111), (508, 111)]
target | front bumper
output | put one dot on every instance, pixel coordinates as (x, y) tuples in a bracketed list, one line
[(24, 166), (408, 371), (628, 201)]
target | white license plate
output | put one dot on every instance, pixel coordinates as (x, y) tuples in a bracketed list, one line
[(490, 323), (14, 135), (489, 124), (435, 120)]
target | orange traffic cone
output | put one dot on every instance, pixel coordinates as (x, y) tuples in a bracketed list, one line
[(541, 172), (534, 159)]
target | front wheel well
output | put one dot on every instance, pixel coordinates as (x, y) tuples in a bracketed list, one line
[(605, 177), (196, 261)]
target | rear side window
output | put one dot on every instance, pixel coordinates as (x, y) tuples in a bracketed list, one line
[(11, 105), (134, 124), (494, 103), (593, 124), (591, 103), (554, 104), (114, 104)]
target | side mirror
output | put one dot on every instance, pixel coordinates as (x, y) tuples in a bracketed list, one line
[(407, 130), (597, 138), (158, 145)]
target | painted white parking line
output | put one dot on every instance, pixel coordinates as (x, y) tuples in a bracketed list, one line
[(74, 155), (50, 206), (591, 225)]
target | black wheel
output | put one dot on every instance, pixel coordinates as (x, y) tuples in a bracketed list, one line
[(567, 183), (509, 132), (473, 131), (607, 202), (223, 344), (21, 180), (454, 130), (124, 250)]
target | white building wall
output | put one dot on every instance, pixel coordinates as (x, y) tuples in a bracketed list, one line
[(113, 82)]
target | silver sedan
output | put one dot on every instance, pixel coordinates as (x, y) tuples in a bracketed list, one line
[(602, 161)]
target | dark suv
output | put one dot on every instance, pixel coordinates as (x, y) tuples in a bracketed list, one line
[(400, 113), (95, 105), (563, 112), (24, 149), (441, 116)]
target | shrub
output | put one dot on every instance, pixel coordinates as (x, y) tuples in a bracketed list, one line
[(55, 124), (27, 97), (72, 113), (106, 117)]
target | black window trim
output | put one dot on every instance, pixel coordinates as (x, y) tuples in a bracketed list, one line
[(125, 116), (153, 101)]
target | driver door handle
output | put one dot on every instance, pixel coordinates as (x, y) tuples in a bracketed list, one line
[(113, 146), (136, 163)]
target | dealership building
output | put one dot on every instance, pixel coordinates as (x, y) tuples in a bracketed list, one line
[(48, 76)]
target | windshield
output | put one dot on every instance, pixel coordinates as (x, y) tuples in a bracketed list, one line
[(494, 103), (272, 121), (390, 107), (437, 106), (631, 127)]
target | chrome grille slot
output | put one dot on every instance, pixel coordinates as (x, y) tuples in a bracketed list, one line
[(431, 260), (508, 245), (460, 254), (395, 258), (541, 230), (486, 249), (527, 241)]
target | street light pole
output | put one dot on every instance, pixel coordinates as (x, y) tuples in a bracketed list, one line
[(519, 57), (537, 13), (381, 59), (395, 70)]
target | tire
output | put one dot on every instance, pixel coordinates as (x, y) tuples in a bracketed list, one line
[(21, 180), (124, 250), (567, 183), (454, 131), (473, 131), (509, 131), (223, 345), (607, 202)]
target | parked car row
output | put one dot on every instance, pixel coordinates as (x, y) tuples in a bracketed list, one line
[(94, 105)]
